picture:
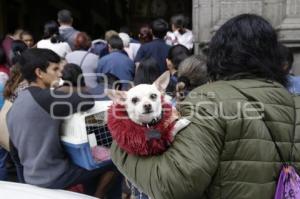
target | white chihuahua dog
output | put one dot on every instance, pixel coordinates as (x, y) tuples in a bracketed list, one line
[(146, 106), (144, 102)]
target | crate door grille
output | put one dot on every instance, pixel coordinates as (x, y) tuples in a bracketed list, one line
[(96, 124)]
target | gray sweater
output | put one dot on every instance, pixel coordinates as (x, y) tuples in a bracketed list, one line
[(35, 134), (88, 63), (68, 34)]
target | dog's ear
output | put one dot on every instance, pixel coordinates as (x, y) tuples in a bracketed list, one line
[(116, 96), (162, 81)]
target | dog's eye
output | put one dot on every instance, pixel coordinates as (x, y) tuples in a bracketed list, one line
[(153, 96), (134, 100)]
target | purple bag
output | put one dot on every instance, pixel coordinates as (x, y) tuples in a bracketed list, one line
[(288, 185)]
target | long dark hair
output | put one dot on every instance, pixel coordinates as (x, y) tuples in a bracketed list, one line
[(245, 46), (17, 48), (179, 21), (177, 54), (51, 30), (13, 82), (72, 73), (147, 71), (15, 78)]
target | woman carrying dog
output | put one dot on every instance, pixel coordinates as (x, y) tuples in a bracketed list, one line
[(227, 150)]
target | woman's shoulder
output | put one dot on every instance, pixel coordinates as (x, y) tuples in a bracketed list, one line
[(240, 83), (232, 89), (43, 42), (213, 86), (63, 44)]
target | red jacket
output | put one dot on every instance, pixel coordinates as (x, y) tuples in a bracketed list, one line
[(4, 69), (135, 138)]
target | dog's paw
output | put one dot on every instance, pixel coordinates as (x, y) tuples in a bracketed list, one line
[(180, 124)]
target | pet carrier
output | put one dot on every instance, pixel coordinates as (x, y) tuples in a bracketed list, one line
[(84, 131)]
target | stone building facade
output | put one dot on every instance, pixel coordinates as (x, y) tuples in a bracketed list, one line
[(284, 15)]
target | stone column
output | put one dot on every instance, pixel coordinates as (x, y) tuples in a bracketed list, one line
[(202, 22), (209, 15), (289, 30), (284, 15)]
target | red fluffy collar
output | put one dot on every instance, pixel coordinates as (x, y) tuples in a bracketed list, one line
[(133, 137)]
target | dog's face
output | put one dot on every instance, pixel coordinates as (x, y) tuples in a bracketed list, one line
[(143, 103)]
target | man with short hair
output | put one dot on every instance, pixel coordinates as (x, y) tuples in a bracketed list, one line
[(34, 122), (66, 30), (157, 48), (117, 61)]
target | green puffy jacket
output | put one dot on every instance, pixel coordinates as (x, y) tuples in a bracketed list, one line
[(226, 151)]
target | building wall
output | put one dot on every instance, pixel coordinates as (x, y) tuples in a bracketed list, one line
[(284, 15), (91, 16)]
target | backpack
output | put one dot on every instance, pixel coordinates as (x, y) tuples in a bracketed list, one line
[(99, 48)]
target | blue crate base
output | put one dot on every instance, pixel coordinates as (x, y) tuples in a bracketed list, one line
[(81, 156)]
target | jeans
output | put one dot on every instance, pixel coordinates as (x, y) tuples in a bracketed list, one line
[(3, 156)]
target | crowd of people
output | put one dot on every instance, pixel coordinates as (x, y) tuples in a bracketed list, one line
[(225, 151)]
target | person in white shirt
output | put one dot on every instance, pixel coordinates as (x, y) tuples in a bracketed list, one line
[(53, 41), (180, 34), (130, 48)]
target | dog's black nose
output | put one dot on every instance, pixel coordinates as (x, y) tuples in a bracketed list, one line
[(147, 107)]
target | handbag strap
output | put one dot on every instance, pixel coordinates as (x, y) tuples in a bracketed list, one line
[(83, 58), (292, 139), (276, 145), (279, 152)]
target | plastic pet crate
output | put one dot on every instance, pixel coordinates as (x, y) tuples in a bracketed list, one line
[(85, 130)]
